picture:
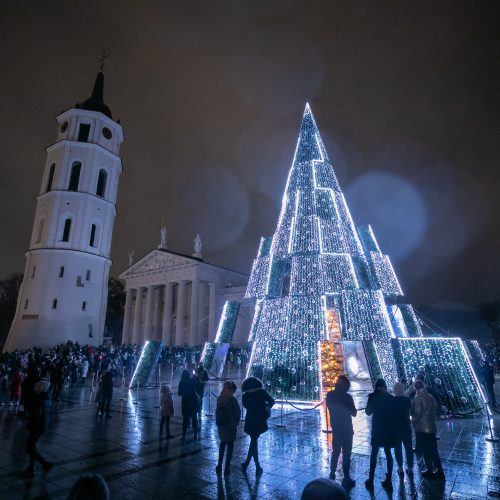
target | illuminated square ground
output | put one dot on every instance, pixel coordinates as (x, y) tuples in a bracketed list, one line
[(126, 451)]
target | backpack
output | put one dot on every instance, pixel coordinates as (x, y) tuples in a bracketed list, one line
[(222, 415)]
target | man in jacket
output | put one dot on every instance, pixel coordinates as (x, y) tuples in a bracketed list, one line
[(424, 422), (107, 392), (341, 408), (37, 424)]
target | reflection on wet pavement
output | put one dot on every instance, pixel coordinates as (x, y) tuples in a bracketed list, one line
[(125, 449)]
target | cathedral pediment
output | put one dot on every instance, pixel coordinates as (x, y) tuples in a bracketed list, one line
[(157, 260)]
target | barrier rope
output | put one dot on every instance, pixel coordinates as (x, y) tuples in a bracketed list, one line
[(304, 409)]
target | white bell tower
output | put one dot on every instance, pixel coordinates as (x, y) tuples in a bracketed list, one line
[(65, 287)]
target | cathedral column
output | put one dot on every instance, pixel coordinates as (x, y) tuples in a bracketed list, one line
[(166, 331), (126, 334), (181, 308), (211, 312), (148, 322), (193, 314), (202, 320), (136, 334)]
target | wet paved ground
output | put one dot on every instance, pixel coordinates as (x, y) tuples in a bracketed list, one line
[(125, 449)]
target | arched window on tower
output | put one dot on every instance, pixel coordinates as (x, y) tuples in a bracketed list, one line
[(66, 230), (93, 239), (74, 178), (101, 183), (51, 177), (39, 232)]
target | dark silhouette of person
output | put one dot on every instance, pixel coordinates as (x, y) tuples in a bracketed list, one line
[(258, 404), (227, 418), (323, 489), (341, 407), (488, 375), (89, 486), (37, 425), (380, 405), (402, 429), (107, 392), (189, 403)]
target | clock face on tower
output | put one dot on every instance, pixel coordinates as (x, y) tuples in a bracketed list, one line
[(107, 133)]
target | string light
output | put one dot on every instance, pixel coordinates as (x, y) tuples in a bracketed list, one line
[(319, 281)]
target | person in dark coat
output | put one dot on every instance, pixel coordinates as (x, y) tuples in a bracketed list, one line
[(488, 376), (106, 392), (227, 418), (258, 404), (380, 405), (28, 386), (402, 429), (190, 403), (341, 407), (37, 424)]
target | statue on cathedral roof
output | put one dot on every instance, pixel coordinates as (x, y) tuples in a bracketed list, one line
[(197, 247)]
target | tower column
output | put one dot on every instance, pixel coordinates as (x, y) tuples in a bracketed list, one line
[(148, 322), (126, 332), (193, 314), (166, 332), (181, 308), (211, 312), (136, 334)]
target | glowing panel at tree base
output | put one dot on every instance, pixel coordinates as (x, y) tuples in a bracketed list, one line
[(147, 362), (449, 375), (320, 282)]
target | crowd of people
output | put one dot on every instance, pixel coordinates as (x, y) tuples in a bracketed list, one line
[(32, 379)]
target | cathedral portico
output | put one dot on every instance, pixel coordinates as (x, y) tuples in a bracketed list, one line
[(176, 298)]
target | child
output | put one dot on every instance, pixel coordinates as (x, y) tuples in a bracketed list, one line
[(227, 418), (166, 409)]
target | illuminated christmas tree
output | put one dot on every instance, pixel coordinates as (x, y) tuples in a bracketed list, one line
[(320, 282)]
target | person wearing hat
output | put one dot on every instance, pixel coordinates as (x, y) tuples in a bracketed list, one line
[(36, 425), (341, 408), (381, 406)]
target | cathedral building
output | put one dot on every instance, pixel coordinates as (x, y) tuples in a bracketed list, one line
[(179, 298), (64, 291)]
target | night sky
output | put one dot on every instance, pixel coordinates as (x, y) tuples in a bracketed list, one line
[(211, 94)]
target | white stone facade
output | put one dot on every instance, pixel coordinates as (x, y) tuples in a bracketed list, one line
[(64, 291), (179, 299)]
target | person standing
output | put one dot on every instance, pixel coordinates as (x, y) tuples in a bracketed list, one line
[(424, 422), (106, 392), (37, 424), (16, 385), (227, 418), (341, 408), (166, 410), (258, 404), (85, 369), (488, 375), (402, 429), (190, 403), (380, 404)]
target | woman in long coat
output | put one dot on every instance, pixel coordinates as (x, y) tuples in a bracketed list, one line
[(258, 404), (190, 403), (381, 405), (227, 418)]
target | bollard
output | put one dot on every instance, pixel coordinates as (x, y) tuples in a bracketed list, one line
[(209, 414), (281, 425), (171, 373), (327, 430), (491, 438)]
